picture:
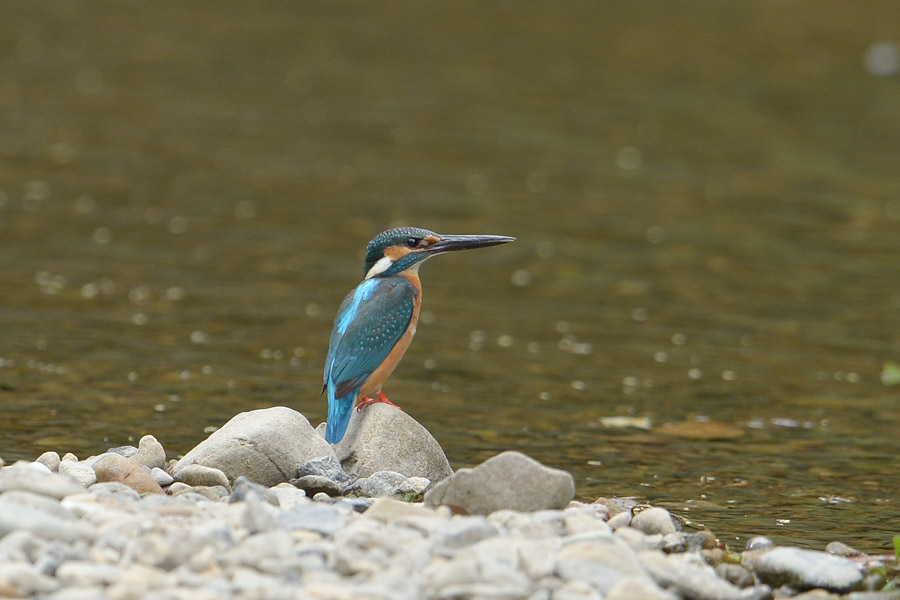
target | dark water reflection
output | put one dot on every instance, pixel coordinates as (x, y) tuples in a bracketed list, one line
[(706, 201)]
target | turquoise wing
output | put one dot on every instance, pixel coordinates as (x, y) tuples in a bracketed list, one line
[(370, 322)]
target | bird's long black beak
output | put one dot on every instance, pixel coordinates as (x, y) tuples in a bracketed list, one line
[(466, 242)]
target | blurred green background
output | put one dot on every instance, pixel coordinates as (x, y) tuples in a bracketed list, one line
[(706, 199)]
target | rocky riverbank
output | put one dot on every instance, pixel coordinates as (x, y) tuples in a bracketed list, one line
[(265, 509)]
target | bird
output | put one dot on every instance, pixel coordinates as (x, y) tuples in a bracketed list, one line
[(377, 320)]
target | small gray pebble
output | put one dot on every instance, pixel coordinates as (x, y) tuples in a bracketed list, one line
[(114, 488), (317, 484), (622, 519), (328, 467), (178, 486), (359, 505), (81, 472), (245, 489), (654, 520), (161, 477), (383, 484), (49, 460), (126, 451), (759, 542), (841, 549), (736, 574)]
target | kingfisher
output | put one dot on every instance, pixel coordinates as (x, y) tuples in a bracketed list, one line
[(377, 320)]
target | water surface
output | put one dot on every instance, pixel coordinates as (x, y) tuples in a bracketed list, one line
[(705, 197)]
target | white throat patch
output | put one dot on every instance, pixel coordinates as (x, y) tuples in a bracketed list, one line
[(384, 263)]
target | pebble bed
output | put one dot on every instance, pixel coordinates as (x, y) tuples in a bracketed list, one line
[(64, 535)]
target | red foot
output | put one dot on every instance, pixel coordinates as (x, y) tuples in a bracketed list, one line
[(366, 401)]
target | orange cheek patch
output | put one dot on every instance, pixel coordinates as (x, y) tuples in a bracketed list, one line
[(395, 253)]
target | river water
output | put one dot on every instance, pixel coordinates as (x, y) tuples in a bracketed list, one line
[(706, 200)]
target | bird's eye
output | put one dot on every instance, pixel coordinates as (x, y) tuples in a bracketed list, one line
[(412, 242)]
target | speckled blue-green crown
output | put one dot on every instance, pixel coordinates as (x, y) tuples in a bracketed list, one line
[(391, 237)]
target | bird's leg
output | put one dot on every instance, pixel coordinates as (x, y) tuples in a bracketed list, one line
[(366, 401)]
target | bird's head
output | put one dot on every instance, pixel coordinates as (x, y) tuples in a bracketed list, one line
[(396, 250)]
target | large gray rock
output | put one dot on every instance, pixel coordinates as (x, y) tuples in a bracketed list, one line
[(265, 445), (510, 480), (807, 569), (383, 438)]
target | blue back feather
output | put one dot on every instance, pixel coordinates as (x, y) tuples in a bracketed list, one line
[(371, 320)]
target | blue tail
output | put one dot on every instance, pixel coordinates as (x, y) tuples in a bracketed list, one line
[(339, 412)]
